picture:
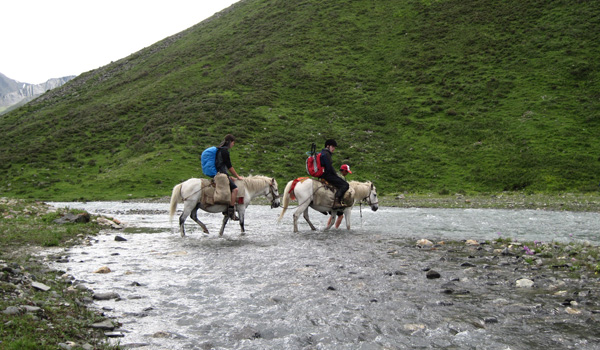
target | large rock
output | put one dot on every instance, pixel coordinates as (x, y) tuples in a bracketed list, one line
[(73, 218)]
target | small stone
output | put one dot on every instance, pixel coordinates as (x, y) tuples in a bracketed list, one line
[(471, 242), (114, 334), (413, 327), (524, 283), (572, 311), (31, 309), (431, 274), (106, 296), (120, 239), (424, 242), (11, 310), (40, 286), (103, 269), (490, 319), (105, 325)]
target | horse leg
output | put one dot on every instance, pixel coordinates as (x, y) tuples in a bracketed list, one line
[(187, 209), (347, 213), (312, 227), (241, 214), (301, 208), (225, 219), (194, 216)]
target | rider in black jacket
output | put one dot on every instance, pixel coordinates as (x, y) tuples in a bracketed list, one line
[(330, 174)]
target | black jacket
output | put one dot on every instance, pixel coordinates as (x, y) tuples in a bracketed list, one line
[(327, 162), (222, 161)]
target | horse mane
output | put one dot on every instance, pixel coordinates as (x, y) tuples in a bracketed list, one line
[(361, 189), (255, 183)]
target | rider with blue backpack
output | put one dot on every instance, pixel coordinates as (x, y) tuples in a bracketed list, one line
[(216, 160)]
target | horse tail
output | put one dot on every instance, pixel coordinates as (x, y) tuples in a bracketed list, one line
[(286, 199), (175, 198)]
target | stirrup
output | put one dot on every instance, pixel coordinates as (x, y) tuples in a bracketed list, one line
[(337, 205)]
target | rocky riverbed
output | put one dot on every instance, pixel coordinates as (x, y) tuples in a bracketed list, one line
[(363, 289)]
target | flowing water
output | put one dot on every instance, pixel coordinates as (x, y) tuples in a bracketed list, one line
[(358, 289)]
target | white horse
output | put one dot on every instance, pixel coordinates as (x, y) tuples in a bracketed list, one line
[(307, 190), (190, 193)]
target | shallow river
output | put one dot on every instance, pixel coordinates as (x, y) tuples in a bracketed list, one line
[(358, 289)]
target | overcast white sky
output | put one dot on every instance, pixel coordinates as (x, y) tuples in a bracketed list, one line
[(43, 39)]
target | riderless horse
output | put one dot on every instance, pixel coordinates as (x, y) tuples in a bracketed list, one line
[(190, 193), (314, 194)]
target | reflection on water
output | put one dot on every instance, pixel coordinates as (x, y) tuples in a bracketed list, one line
[(273, 289)]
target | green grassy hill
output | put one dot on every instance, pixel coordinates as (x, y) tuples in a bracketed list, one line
[(421, 95)]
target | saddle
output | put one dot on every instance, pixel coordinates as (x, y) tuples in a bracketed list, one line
[(215, 191), (324, 194)]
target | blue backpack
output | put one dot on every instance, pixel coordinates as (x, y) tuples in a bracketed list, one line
[(208, 160)]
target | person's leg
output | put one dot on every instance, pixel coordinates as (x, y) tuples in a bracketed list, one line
[(234, 193), (341, 185), (339, 221)]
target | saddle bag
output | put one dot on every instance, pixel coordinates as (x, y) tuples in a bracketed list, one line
[(324, 194), (222, 191)]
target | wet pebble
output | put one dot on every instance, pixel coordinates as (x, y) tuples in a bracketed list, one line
[(490, 319), (104, 325), (106, 296), (524, 283), (432, 274)]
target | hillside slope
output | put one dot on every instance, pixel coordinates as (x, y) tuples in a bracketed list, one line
[(421, 95)]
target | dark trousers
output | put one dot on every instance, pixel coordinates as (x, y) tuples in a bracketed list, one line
[(340, 184)]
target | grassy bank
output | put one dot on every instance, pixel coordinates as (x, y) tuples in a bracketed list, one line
[(41, 319)]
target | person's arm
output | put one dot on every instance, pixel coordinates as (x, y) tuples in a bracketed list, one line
[(234, 173)]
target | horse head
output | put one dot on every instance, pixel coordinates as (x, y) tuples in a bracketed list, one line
[(273, 194), (372, 198)]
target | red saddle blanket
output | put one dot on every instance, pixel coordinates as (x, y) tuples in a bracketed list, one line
[(294, 183)]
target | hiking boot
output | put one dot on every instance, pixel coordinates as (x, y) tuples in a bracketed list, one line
[(337, 204), (231, 214)]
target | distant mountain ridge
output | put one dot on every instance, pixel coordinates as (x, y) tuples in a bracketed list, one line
[(14, 93)]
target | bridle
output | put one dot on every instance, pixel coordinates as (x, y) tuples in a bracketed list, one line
[(368, 198), (273, 192)]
